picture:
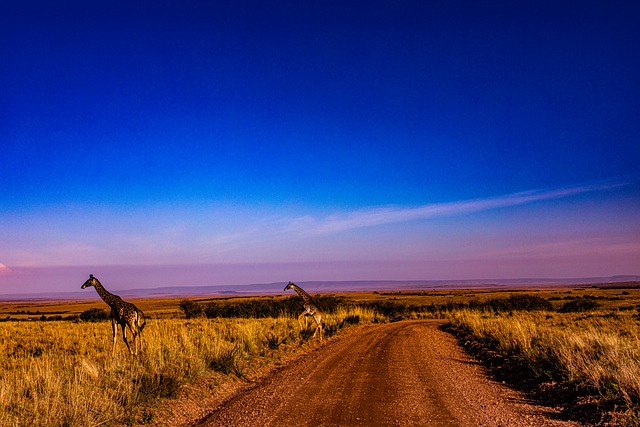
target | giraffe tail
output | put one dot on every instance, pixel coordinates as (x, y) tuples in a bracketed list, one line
[(144, 321)]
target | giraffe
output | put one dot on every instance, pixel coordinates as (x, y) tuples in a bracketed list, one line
[(123, 313), (310, 309)]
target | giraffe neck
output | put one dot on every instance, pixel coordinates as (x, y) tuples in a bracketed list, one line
[(106, 296), (305, 296)]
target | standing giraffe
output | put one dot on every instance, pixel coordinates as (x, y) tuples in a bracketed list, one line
[(310, 309), (123, 313)]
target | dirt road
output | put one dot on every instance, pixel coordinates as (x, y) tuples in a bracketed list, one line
[(400, 374)]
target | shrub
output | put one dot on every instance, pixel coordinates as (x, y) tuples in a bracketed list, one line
[(226, 361), (523, 302), (274, 341), (352, 319), (393, 310), (191, 309), (528, 302), (262, 308), (158, 385), (578, 305), (94, 315)]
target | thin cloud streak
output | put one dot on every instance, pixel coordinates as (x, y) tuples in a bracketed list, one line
[(391, 214), (199, 235)]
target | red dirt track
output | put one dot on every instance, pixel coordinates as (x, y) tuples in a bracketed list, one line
[(407, 373)]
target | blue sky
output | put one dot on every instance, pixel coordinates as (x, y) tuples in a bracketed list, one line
[(283, 141)]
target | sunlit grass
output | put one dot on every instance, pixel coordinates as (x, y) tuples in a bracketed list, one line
[(598, 352), (62, 373)]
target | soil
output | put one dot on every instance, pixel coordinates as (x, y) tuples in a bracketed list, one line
[(408, 373)]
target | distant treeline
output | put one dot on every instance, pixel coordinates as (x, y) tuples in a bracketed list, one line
[(90, 315), (516, 302), (394, 310), (42, 318)]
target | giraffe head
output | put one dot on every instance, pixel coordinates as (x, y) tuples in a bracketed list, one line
[(91, 282), (289, 286)]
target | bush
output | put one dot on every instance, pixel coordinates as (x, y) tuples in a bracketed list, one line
[(227, 362), (352, 319), (158, 385), (395, 310), (258, 308), (191, 309), (523, 302), (94, 315), (398, 311), (274, 341), (578, 305)]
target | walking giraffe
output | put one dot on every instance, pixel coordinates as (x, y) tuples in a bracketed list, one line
[(310, 309), (123, 313)]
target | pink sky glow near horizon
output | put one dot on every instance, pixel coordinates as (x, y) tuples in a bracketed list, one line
[(559, 233)]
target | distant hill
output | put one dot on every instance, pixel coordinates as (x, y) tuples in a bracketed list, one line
[(334, 287)]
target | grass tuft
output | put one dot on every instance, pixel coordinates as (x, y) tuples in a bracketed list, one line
[(227, 361)]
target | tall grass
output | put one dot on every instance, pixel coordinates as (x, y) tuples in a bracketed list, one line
[(597, 352), (62, 373)]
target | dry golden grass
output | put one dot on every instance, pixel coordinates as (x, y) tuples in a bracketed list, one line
[(597, 352), (62, 373)]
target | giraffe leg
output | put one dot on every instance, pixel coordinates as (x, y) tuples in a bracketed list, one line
[(114, 328), (140, 327), (124, 337), (136, 330), (318, 320), (135, 338), (136, 333), (139, 337), (305, 319)]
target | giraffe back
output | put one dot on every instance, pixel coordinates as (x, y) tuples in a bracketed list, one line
[(309, 304), (130, 314)]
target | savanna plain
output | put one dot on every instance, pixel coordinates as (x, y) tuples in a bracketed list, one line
[(576, 348)]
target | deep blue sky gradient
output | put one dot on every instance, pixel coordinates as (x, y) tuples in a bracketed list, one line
[(319, 107)]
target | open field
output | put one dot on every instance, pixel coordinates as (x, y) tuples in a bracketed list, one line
[(583, 341)]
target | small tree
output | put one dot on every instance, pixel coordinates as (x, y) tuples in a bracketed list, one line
[(191, 309)]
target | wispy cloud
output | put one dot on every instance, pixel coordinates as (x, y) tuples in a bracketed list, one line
[(393, 214), (202, 234)]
